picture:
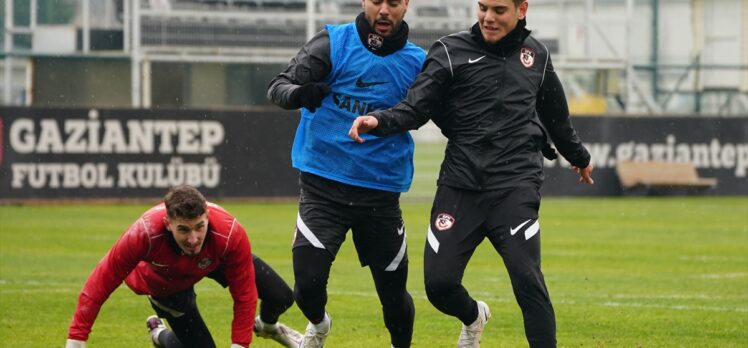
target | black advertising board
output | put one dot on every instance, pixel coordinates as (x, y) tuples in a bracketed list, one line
[(138, 153), (717, 147), (55, 153)]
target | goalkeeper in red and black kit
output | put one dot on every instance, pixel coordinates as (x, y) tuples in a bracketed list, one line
[(494, 94), (164, 253)]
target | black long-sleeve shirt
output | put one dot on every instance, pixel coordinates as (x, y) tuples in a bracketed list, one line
[(496, 103)]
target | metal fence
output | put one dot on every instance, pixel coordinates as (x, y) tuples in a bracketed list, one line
[(614, 56)]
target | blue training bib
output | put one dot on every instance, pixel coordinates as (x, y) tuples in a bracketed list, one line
[(360, 82)]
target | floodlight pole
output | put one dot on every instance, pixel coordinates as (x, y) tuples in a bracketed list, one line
[(588, 8), (86, 26), (32, 20), (655, 48), (697, 22), (630, 73), (8, 69), (135, 58), (126, 25), (311, 20), (744, 72)]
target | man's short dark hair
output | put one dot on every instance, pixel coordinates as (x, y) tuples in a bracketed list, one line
[(184, 202)]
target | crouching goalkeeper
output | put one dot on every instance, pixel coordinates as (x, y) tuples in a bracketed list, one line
[(164, 253)]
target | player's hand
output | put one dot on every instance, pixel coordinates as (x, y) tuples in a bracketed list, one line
[(362, 124), (585, 174), (310, 95), (75, 344)]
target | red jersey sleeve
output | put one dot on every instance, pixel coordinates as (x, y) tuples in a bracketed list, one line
[(121, 259), (240, 273)]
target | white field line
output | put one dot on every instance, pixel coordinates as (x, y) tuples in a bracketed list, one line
[(39, 291), (677, 297), (509, 299), (721, 275), (677, 307), (57, 287), (705, 258), (697, 258)]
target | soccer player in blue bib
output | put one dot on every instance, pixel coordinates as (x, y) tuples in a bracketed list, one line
[(343, 72)]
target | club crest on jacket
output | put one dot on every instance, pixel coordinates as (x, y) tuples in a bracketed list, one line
[(527, 57)]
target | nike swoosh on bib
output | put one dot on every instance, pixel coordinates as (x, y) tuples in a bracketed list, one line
[(471, 61), (361, 84)]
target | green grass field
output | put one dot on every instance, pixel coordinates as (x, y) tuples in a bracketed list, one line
[(624, 272)]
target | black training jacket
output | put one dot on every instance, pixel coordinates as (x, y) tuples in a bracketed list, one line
[(496, 104)]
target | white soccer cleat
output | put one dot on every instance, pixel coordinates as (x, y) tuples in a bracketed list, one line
[(471, 334), (155, 326), (278, 332), (314, 337)]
